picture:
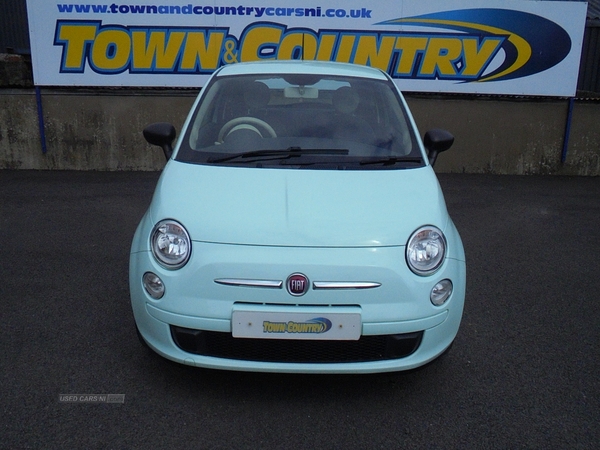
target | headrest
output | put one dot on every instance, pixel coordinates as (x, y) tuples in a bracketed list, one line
[(345, 100), (257, 95)]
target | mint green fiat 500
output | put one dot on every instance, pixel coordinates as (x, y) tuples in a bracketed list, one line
[(298, 226)]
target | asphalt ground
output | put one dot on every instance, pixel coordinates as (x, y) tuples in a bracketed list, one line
[(523, 372)]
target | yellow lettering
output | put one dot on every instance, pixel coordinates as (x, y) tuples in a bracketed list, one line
[(409, 47), (274, 327), (306, 43), (198, 52), (440, 54), (76, 38), (373, 53), (111, 50), (155, 52), (326, 46), (256, 38), (477, 57), (345, 48)]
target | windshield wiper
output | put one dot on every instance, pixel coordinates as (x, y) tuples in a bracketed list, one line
[(391, 160), (290, 152)]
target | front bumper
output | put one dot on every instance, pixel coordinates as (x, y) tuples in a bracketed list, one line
[(430, 343), (401, 329)]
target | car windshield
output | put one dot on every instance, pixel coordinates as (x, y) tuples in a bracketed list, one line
[(300, 121)]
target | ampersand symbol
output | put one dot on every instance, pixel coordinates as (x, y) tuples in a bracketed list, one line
[(230, 55)]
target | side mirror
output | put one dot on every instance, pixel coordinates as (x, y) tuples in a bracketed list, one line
[(161, 134), (437, 141)]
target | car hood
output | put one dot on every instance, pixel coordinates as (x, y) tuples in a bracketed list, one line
[(299, 207)]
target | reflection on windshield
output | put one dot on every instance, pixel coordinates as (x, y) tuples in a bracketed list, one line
[(240, 114)]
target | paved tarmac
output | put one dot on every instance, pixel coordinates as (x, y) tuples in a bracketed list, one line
[(523, 372)]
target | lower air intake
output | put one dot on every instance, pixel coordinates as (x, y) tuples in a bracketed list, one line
[(367, 348)]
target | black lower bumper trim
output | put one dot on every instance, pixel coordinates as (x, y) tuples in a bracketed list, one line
[(367, 348)]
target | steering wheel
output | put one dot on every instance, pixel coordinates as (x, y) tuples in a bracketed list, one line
[(246, 120)]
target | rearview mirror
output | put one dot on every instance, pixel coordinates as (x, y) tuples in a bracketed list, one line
[(300, 92)]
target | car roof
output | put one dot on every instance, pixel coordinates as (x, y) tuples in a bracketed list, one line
[(297, 66)]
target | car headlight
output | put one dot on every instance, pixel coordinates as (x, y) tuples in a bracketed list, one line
[(426, 250), (171, 244)]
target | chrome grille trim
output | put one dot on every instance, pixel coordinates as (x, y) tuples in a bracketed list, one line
[(270, 284), (316, 285), (344, 285)]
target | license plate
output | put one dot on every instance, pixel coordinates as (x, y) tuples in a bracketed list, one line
[(301, 325)]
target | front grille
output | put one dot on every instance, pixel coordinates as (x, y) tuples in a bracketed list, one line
[(367, 348)]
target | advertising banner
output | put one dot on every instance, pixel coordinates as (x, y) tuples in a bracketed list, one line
[(511, 47)]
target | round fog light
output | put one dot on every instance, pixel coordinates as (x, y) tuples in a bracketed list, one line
[(441, 292), (154, 285)]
